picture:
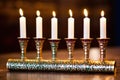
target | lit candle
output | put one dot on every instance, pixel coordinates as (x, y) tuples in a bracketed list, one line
[(22, 20), (70, 25), (102, 25), (86, 24), (38, 25), (54, 26)]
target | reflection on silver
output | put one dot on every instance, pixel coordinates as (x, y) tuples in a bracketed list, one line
[(96, 78), (56, 76), (94, 54)]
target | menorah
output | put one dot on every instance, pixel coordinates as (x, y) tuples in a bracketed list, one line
[(70, 65)]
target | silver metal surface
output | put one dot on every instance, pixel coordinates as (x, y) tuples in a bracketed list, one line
[(70, 47), (86, 47), (61, 65), (54, 46), (39, 45), (102, 46), (23, 46)]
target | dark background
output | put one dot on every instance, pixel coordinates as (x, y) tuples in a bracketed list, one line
[(9, 20)]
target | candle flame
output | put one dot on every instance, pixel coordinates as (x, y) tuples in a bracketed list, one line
[(53, 13), (85, 12), (70, 12), (38, 13), (102, 13), (21, 12)]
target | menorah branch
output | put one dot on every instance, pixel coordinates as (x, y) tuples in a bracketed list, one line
[(23, 46)]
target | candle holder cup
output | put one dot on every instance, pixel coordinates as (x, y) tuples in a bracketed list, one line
[(54, 46), (103, 44), (23, 46), (39, 45), (70, 47), (86, 47)]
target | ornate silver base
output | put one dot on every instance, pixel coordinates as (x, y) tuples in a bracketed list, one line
[(61, 65)]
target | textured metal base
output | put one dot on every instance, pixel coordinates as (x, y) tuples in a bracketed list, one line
[(61, 65)]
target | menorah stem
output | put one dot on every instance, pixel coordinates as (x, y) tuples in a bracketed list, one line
[(23, 46), (70, 47), (39, 45), (86, 47), (54, 46), (102, 45)]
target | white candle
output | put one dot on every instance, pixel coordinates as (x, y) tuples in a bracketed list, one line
[(22, 20), (86, 24), (38, 25), (54, 26), (70, 25), (102, 25)]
